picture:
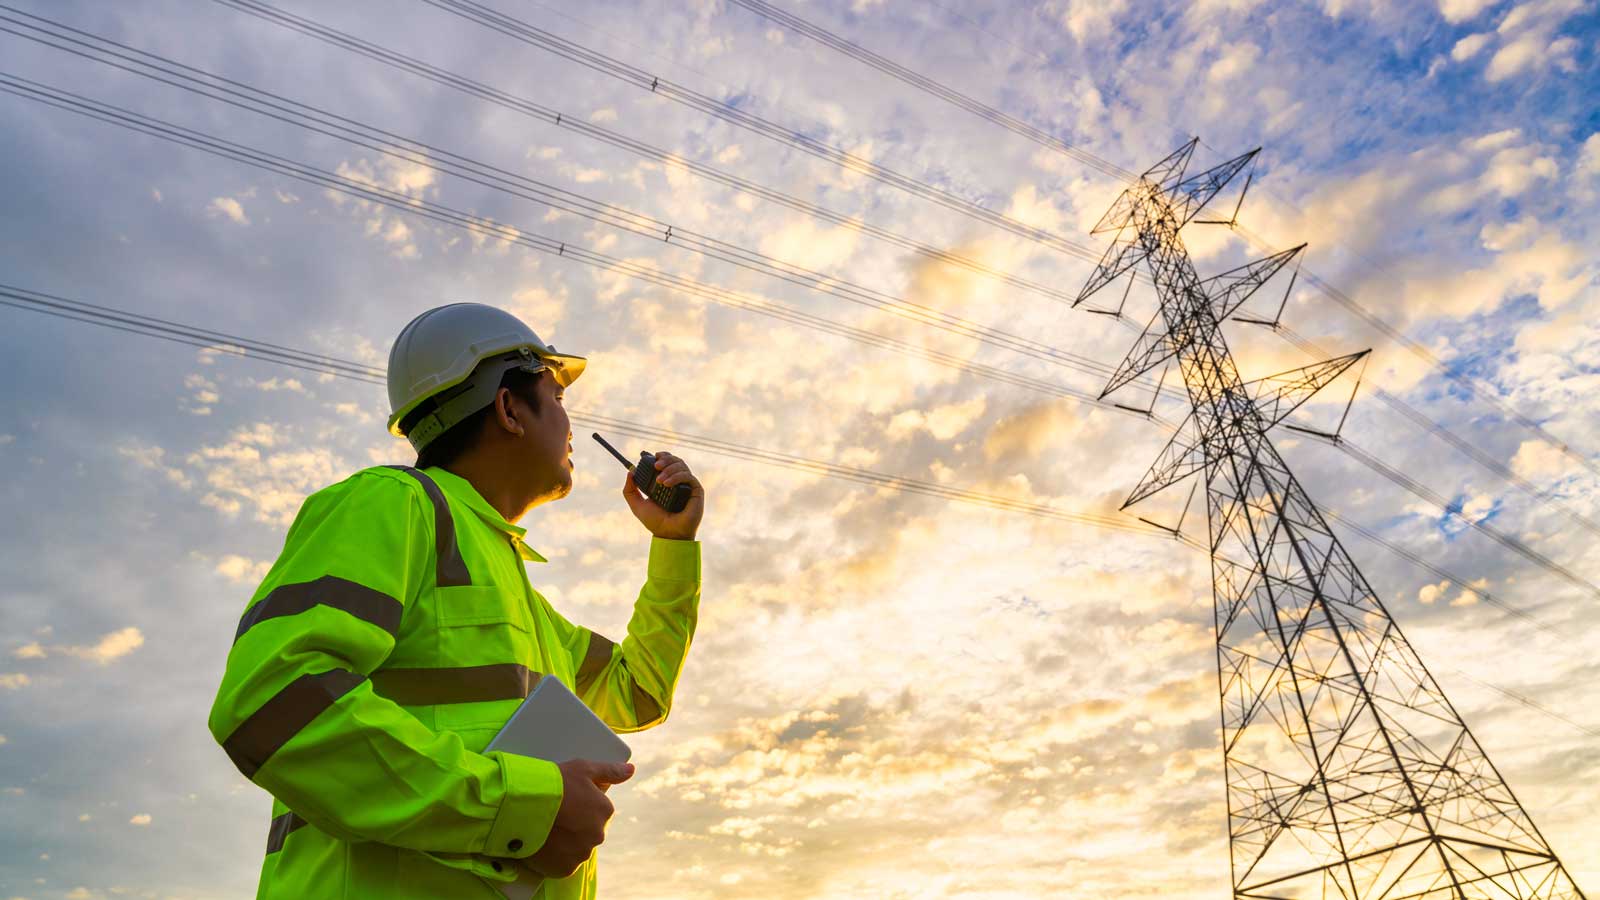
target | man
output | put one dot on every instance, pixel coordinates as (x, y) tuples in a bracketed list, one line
[(398, 631)]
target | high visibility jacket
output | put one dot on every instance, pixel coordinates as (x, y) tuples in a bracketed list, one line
[(391, 640)]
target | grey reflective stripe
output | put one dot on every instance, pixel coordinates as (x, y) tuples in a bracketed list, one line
[(594, 661), (460, 684), (281, 718), (358, 600), (645, 707), (282, 827), (451, 568)]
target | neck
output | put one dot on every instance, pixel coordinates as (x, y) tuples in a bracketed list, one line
[(493, 485)]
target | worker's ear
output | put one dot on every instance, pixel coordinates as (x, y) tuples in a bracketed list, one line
[(505, 412)]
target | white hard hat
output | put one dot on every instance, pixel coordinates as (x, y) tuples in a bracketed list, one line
[(458, 355)]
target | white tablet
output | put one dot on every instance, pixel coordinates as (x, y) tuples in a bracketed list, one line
[(552, 723)]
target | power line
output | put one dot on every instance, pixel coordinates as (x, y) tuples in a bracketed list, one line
[(569, 50), (1471, 385), (162, 329), (512, 102), (1444, 433), (312, 118), (198, 140), (1412, 485), (528, 108), (1530, 703), (237, 152), (1420, 562), (165, 329), (544, 40), (1011, 123), (168, 131), (928, 85), (135, 323), (523, 106)]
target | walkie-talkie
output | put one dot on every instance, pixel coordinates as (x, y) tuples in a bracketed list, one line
[(671, 499)]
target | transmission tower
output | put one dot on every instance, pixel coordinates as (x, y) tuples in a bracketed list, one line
[(1349, 775)]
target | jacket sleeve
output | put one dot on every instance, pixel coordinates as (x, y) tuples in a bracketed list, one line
[(630, 685), (297, 715)]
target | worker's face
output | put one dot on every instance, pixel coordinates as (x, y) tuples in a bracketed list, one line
[(546, 442)]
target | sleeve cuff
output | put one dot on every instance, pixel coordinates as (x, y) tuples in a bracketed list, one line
[(528, 809), (674, 560)]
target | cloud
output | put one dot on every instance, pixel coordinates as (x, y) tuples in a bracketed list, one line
[(14, 681), (29, 651), (397, 234), (281, 384), (1432, 592), (1514, 57), (1088, 19), (1468, 47), (1588, 164), (1458, 11), (113, 646), (140, 819), (942, 423), (1237, 59), (243, 570), (1025, 435), (811, 244), (542, 310), (1528, 32), (1536, 461), (153, 458), (260, 468), (229, 207)]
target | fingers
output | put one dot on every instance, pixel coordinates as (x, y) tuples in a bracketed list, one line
[(614, 773), (671, 470), (607, 772), (674, 473)]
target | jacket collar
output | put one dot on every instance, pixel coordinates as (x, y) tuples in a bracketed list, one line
[(462, 491)]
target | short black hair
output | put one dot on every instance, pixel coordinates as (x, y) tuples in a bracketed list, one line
[(460, 437)]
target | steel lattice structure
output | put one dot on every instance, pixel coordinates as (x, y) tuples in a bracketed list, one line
[(1349, 774)]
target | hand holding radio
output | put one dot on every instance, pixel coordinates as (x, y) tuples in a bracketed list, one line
[(662, 493)]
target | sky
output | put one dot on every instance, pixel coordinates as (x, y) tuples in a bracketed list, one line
[(888, 694)]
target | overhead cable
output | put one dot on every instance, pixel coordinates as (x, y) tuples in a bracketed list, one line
[(1475, 387), (1443, 432), (734, 115), (321, 121), (207, 339), (1472, 385), (198, 140), (118, 319), (406, 203), (928, 85), (578, 124), (1453, 510), (165, 329)]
